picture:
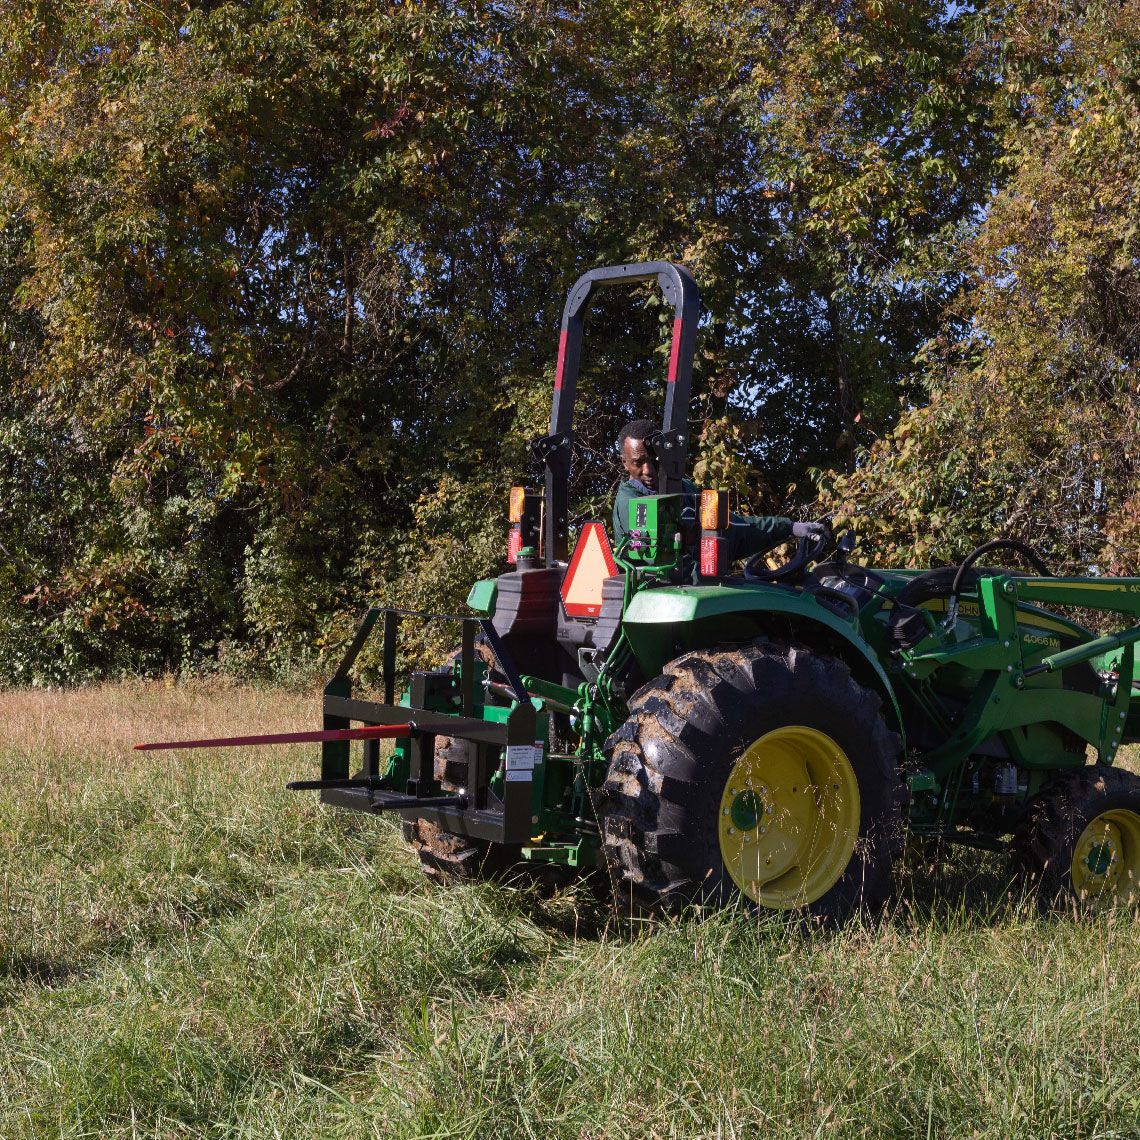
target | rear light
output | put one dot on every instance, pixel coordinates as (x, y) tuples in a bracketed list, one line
[(515, 504), (514, 544), (714, 510), (712, 556)]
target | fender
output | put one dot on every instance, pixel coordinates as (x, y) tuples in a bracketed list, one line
[(663, 622)]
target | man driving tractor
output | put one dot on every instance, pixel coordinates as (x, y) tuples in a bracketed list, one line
[(747, 534)]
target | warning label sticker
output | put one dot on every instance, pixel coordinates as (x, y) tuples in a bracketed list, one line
[(520, 762), (521, 759)]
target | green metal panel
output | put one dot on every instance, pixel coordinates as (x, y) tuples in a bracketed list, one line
[(655, 525), (482, 596), (541, 748)]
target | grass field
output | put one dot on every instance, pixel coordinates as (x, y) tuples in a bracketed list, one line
[(189, 950)]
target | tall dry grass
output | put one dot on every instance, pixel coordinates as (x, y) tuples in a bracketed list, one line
[(188, 950)]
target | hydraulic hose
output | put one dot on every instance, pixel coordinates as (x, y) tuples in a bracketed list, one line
[(1022, 548), (1026, 551)]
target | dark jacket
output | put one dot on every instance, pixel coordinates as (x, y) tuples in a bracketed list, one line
[(746, 534)]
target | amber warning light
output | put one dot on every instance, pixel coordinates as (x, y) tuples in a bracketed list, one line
[(714, 510), (515, 504)]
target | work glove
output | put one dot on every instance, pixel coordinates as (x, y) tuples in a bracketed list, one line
[(817, 532)]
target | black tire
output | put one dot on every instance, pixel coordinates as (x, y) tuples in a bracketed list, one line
[(688, 731), (1064, 830)]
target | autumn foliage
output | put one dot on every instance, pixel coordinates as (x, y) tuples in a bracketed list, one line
[(280, 280)]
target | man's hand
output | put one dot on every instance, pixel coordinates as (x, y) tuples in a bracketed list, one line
[(815, 531)]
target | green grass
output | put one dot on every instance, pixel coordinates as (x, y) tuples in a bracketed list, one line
[(188, 950)]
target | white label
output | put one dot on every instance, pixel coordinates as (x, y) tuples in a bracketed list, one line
[(520, 762)]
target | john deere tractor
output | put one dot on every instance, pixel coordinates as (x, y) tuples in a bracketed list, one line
[(702, 733)]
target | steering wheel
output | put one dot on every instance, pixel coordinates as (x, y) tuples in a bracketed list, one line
[(806, 552)]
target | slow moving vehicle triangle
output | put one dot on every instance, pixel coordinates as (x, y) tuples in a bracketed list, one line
[(590, 565)]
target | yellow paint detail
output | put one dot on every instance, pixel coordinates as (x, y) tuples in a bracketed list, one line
[(1030, 621), (797, 794), (1045, 623), (1106, 860), (1054, 585)]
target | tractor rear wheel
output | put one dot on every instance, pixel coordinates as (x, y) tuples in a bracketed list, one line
[(764, 772), (1080, 838)]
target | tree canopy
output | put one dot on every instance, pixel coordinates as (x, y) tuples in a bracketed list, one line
[(280, 283), (1029, 429)]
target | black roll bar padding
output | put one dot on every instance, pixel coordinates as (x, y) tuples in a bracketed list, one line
[(679, 287)]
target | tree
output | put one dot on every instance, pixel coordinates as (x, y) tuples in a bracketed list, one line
[(1030, 430), (288, 276)]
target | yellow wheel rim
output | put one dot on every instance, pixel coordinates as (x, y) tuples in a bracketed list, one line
[(1106, 859), (789, 817)]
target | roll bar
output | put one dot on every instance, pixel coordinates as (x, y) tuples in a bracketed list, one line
[(679, 287)]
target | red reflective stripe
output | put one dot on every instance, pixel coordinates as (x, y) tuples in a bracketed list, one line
[(373, 732), (561, 360), (675, 352)]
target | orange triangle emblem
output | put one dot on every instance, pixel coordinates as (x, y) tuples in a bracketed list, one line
[(591, 564)]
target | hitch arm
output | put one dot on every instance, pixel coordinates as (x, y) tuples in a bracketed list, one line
[(373, 784)]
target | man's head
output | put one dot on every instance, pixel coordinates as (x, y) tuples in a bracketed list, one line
[(635, 458)]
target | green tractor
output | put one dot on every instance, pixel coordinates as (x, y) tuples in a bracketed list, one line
[(703, 736)]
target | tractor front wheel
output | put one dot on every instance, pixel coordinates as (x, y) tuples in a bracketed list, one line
[(1080, 838), (764, 772)]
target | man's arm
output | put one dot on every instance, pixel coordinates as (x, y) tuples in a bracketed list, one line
[(748, 534), (625, 492)]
